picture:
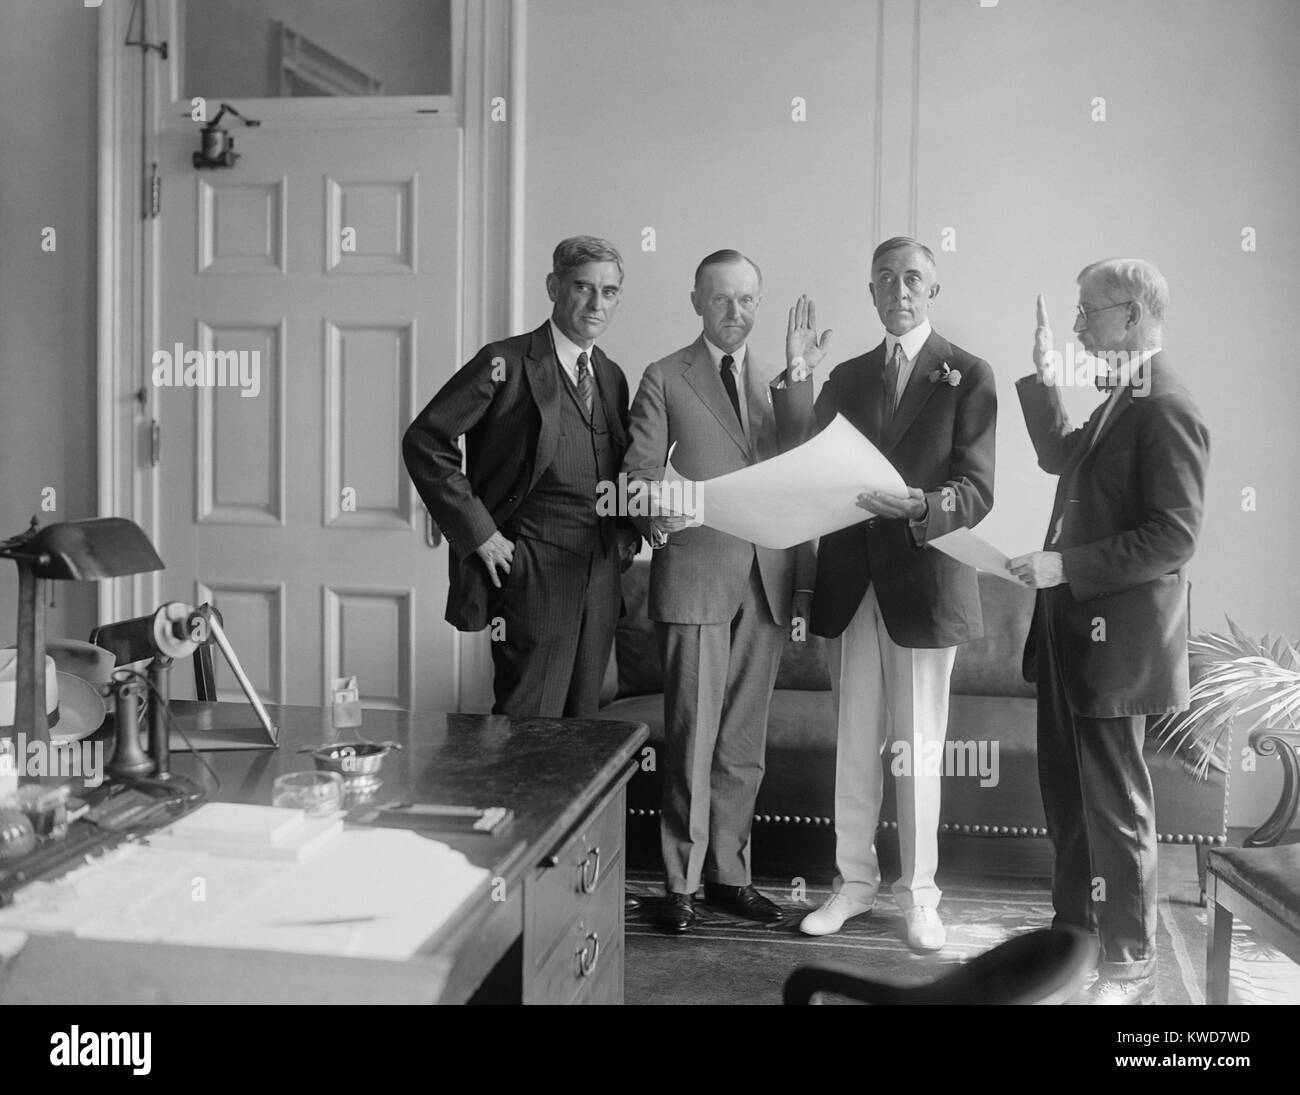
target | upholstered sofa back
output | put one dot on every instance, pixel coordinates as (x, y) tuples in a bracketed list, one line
[(989, 666)]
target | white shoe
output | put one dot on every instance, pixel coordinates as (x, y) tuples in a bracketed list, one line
[(925, 930), (831, 916)]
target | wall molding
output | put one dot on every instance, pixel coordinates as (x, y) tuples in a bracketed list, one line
[(898, 96)]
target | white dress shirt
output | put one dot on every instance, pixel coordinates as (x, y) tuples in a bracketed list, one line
[(912, 343), (1125, 371), (567, 351)]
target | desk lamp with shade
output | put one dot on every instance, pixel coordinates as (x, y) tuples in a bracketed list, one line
[(101, 547)]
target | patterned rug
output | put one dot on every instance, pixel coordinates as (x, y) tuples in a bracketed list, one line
[(725, 960)]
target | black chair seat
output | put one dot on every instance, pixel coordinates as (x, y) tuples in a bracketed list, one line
[(1267, 877)]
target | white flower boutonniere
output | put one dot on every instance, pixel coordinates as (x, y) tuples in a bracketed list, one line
[(944, 374)]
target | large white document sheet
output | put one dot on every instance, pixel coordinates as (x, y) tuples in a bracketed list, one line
[(802, 494), (964, 546)]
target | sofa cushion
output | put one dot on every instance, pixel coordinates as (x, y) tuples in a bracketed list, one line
[(991, 665)]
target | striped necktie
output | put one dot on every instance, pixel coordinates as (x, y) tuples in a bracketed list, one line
[(586, 388), (893, 369)]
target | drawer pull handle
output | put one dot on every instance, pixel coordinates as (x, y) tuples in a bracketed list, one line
[(592, 859), (588, 956)]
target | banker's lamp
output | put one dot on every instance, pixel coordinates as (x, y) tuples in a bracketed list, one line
[(102, 547)]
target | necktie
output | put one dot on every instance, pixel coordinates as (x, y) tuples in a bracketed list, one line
[(893, 368), (586, 388), (729, 382)]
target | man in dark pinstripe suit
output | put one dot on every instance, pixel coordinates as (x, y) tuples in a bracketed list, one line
[(544, 417)]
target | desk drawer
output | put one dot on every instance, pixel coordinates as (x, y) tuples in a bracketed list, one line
[(559, 894), (605, 986), (589, 952)]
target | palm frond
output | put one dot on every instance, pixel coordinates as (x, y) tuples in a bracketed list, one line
[(1241, 683)]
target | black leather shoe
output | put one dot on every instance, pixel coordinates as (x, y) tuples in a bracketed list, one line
[(678, 913), (743, 901), (630, 902)]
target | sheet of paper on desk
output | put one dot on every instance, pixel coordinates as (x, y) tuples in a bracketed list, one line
[(374, 893), (395, 886), (966, 547), (799, 495)]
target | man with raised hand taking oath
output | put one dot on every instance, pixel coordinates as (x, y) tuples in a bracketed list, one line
[(1108, 643), (721, 605), (544, 417), (900, 606)]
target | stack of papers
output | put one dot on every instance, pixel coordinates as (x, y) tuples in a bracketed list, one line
[(256, 832), (372, 893)]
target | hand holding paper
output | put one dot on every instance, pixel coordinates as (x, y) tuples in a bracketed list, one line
[(964, 546)]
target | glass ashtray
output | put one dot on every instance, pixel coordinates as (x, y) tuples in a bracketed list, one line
[(316, 793)]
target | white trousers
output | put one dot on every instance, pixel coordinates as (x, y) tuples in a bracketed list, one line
[(887, 694)]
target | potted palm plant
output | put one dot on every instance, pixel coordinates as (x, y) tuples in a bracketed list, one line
[(1237, 681)]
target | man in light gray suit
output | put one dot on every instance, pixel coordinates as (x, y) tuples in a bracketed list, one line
[(721, 605)]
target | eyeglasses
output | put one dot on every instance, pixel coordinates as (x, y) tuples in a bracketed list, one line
[(1082, 314)]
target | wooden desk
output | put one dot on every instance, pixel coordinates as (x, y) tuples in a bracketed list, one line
[(548, 925)]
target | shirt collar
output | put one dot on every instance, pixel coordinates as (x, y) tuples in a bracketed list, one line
[(1127, 366), (737, 355), (912, 341), (567, 350)]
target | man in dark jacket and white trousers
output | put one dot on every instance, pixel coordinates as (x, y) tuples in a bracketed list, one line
[(1108, 644), (544, 417), (901, 606)]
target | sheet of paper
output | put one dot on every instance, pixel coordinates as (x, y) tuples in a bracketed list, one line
[(373, 893), (802, 494), (964, 546)]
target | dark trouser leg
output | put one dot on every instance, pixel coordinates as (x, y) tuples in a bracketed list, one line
[(1101, 818), (1120, 816), (595, 635), (1060, 783), (538, 614)]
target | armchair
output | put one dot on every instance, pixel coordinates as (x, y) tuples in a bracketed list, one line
[(1259, 882)]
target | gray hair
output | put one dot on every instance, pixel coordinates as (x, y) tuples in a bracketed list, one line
[(579, 250), (895, 242), (1133, 278)]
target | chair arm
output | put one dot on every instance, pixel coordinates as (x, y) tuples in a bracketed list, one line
[(1268, 741)]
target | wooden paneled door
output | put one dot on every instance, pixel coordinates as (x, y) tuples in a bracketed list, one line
[(321, 274)]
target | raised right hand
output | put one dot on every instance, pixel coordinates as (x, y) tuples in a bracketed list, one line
[(496, 551), (1042, 340), (801, 340)]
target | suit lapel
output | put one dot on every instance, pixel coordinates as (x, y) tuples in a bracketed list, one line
[(707, 384), (918, 390), (607, 386), (1092, 442), (543, 373), (869, 394), (758, 378)]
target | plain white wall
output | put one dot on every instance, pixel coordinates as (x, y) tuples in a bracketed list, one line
[(677, 116), (48, 131)]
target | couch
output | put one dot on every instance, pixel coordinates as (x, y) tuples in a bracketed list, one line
[(990, 822)]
